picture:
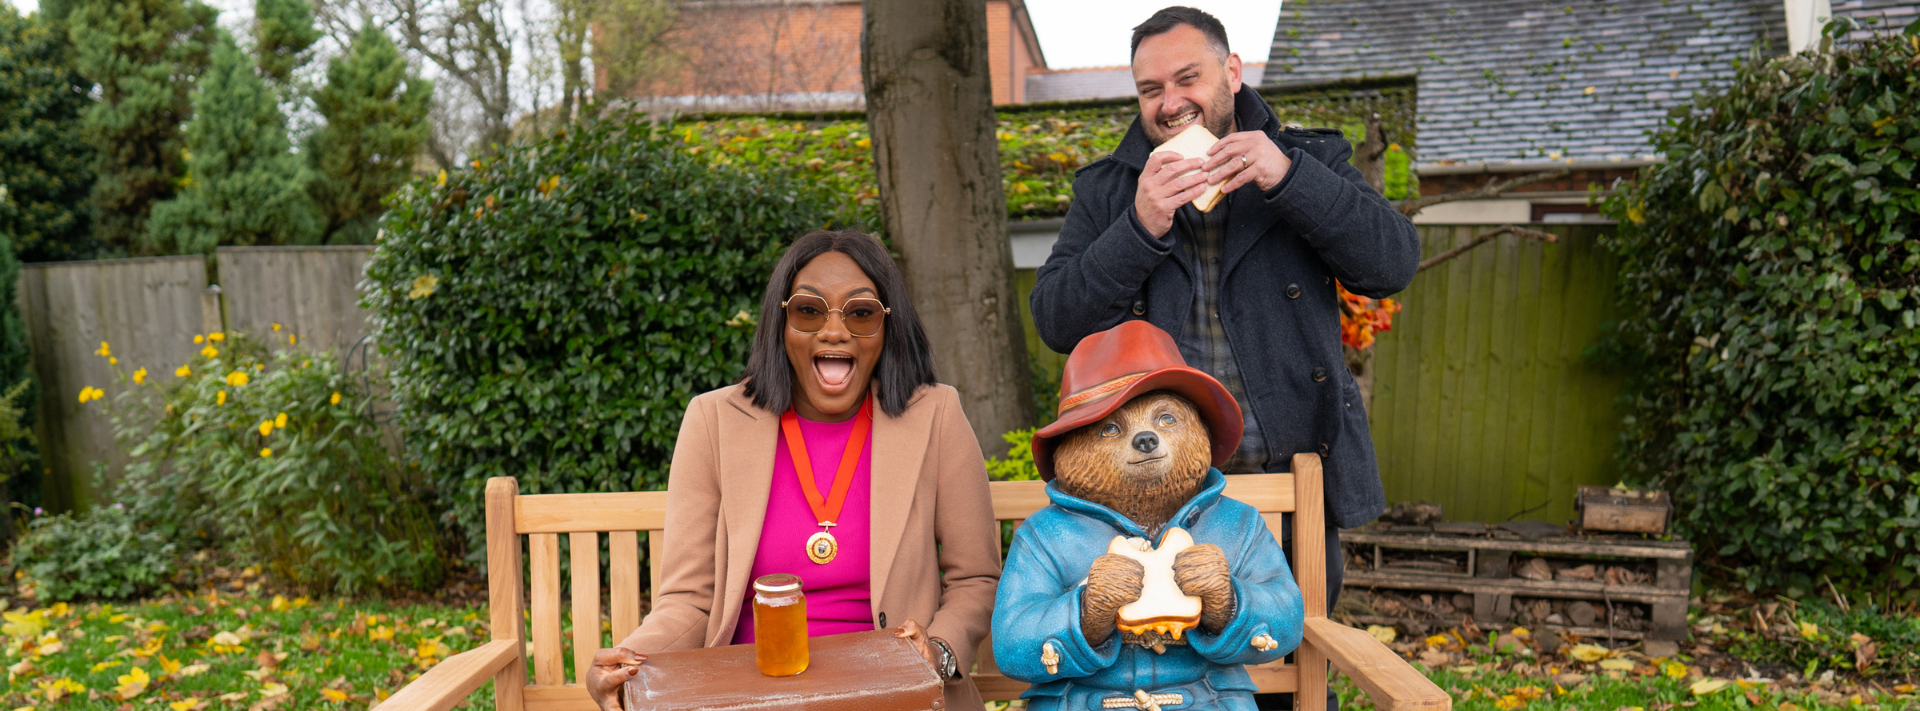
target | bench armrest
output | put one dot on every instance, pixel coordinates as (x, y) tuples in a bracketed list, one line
[(1390, 681), (449, 682)]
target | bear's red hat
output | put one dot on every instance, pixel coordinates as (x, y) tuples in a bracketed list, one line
[(1109, 368)]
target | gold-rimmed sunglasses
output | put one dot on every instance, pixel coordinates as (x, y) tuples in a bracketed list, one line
[(860, 315)]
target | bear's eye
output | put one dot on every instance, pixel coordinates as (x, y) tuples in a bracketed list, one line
[(1110, 430), (1166, 419)]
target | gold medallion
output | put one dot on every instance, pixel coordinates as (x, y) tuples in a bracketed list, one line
[(821, 548)]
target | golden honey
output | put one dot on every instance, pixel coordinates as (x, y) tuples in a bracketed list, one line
[(779, 625)]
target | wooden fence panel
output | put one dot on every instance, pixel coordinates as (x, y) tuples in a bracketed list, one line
[(312, 292), (1483, 400), (147, 310)]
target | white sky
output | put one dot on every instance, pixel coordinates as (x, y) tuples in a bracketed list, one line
[(1073, 33), (1095, 33)]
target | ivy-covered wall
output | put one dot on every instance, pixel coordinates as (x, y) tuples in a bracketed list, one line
[(1040, 144)]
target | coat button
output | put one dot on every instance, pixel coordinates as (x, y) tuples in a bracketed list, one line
[(883, 616), (1319, 375), (1293, 291), (1324, 451), (1139, 308)]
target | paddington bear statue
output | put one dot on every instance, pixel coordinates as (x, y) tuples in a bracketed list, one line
[(1140, 585)]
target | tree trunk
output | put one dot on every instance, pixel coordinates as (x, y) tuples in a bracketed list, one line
[(930, 105)]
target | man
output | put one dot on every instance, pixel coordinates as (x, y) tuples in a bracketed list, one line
[(1246, 289)]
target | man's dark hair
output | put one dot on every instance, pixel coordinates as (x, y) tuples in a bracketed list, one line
[(1165, 20), (906, 357)]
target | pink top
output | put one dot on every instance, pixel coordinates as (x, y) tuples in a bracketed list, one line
[(839, 596)]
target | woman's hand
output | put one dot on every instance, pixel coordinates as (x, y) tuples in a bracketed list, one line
[(611, 668), (915, 635)]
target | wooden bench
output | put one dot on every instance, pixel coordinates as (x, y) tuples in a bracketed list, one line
[(1386, 678)]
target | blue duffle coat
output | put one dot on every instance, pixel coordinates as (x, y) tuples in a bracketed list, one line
[(1039, 603)]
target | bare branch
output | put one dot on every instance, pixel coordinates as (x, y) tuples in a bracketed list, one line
[(1413, 206), (1485, 238)]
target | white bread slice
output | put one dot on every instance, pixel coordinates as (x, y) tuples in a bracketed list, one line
[(1194, 143), (1162, 608)]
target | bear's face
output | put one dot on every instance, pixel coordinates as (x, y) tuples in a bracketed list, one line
[(1144, 460)]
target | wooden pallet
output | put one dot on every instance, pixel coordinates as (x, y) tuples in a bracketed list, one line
[(1486, 574)]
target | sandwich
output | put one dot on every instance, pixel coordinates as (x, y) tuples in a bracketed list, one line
[(1194, 143)]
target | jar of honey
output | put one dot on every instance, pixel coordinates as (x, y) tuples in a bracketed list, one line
[(779, 625)]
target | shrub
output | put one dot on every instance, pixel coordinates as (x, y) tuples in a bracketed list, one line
[(271, 454), (551, 311), (102, 553), (1769, 272), (1018, 464)]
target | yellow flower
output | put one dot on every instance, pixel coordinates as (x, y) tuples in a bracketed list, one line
[(292, 339), (266, 427), (104, 350), (140, 376), (237, 378), (335, 400), (132, 683), (442, 180), (305, 363), (209, 352), (182, 371), (216, 336), (276, 327), (113, 361), (220, 398), (266, 452), (280, 420), (90, 393), (423, 287), (197, 338)]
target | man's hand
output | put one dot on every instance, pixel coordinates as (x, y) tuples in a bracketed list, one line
[(1163, 190), (611, 668), (1246, 157)]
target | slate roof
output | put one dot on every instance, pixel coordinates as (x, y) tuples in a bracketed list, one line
[(1504, 81)]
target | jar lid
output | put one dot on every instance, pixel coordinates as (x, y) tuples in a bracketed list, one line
[(777, 583)]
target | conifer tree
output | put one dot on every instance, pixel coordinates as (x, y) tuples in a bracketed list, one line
[(282, 32), (144, 55), (376, 122), (244, 186), (46, 168)]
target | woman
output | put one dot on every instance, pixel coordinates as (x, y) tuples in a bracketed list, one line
[(913, 537)]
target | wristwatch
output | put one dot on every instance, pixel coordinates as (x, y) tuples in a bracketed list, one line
[(949, 666)]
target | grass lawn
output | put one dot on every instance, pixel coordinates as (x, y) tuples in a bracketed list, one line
[(246, 648)]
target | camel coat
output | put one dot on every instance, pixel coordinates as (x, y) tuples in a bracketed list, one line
[(936, 546)]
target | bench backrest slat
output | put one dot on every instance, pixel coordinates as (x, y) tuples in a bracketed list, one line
[(544, 553)]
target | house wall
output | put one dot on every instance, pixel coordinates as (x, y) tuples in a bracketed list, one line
[(799, 55)]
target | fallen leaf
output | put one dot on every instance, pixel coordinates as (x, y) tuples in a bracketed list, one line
[(1674, 670), (1434, 641), (266, 660), (188, 705), (334, 695), (1617, 664), (1809, 630), (1435, 658), (1382, 632), (132, 684), (234, 696), (1708, 686), (1903, 688), (194, 669), (1588, 652)]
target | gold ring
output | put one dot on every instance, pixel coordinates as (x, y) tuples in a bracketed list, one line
[(1244, 161)]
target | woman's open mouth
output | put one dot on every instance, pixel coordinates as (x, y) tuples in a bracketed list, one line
[(834, 371)]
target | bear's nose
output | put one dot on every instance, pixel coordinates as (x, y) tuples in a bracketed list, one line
[(1146, 442)]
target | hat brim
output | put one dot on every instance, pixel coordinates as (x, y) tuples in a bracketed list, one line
[(1216, 406)]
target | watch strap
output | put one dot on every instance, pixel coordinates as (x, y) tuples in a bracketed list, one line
[(950, 664)]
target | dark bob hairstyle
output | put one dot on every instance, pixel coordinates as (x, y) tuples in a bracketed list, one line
[(906, 360)]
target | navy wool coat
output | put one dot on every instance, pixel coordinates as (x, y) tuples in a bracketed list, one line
[(1284, 249)]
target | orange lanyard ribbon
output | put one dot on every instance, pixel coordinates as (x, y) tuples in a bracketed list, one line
[(827, 510)]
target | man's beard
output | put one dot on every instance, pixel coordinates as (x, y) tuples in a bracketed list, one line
[(1217, 117)]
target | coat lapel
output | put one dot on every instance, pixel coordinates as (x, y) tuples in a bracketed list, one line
[(748, 435), (899, 449)]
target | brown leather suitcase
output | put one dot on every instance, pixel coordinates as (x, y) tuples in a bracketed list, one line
[(864, 671)]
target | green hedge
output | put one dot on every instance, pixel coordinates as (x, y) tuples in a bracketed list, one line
[(1770, 270), (550, 311)]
